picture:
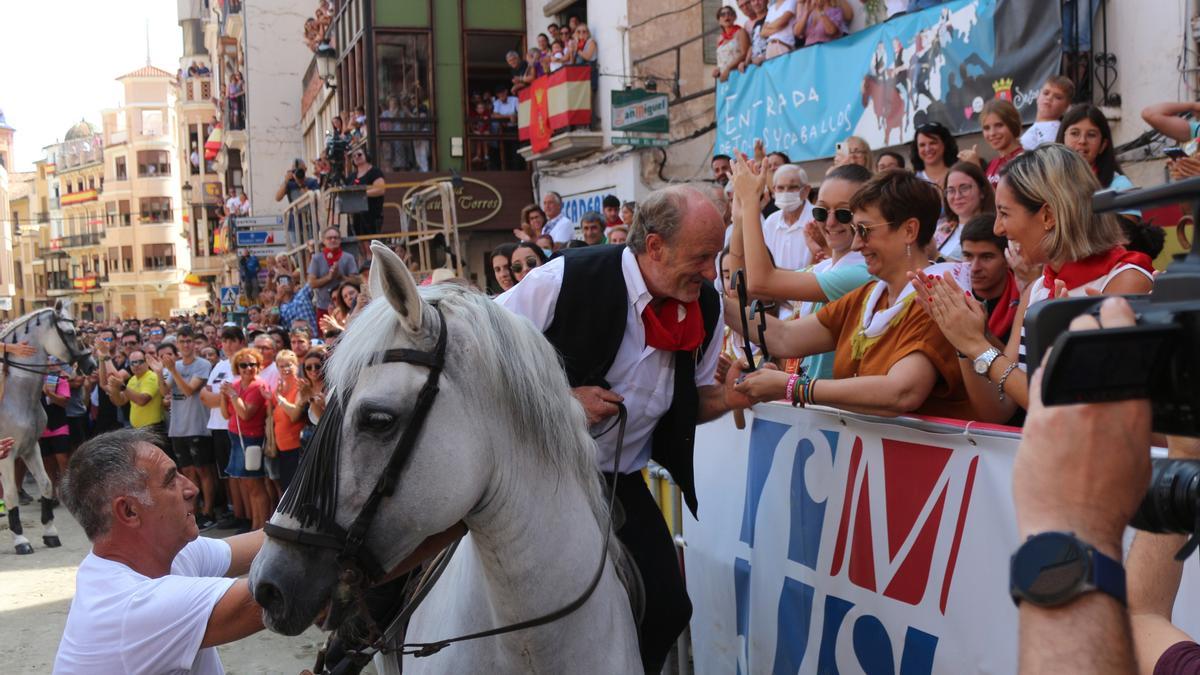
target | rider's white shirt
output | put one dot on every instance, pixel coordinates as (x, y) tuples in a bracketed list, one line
[(644, 376), (124, 622)]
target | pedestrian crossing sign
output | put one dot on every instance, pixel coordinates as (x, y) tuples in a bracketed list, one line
[(229, 295)]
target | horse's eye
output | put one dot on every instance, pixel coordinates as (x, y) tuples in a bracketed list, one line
[(378, 421)]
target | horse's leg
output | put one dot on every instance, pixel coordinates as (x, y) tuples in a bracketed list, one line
[(9, 479), (49, 532)]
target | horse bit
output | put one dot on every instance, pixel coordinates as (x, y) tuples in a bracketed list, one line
[(359, 568)]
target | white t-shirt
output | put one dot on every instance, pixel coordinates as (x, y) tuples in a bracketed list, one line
[(124, 622), (221, 373), (270, 375), (776, 10), (560, 229), (506, 107), (1039, 133)]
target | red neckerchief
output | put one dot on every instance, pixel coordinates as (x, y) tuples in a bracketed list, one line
[(332, 257), (1001, 320), (1077, 273), (666, 331), (727, 35)]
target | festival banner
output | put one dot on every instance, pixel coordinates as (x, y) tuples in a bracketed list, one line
[(844, 543), (937, 65)]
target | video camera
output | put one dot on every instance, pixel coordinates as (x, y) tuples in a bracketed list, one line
[(335, 148), (1156, 359)]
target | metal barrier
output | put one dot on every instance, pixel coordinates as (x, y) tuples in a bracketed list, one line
[(670, 501)]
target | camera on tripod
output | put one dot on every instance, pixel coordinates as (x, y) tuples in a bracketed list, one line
[(1155, 359), (335, 149)]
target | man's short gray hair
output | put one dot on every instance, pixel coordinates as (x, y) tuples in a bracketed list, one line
[(660, 213), (557, 197), (102, 469), (591, 217), (511, 54)]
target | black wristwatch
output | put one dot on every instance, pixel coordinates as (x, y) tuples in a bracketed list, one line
[(1054, 568)]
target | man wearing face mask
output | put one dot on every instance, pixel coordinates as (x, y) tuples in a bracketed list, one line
[(784, 229)]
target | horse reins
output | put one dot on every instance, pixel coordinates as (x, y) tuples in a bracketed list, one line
[(359, 567), (44, 368)]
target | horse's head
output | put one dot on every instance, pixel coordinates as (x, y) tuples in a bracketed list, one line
[(399, 440), (61, 339)]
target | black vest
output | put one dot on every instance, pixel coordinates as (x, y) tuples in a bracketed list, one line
[(588, 326)]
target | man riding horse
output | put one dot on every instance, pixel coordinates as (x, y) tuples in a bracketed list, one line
[(635, 324)]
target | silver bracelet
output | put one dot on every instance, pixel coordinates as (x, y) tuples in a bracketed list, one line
[(1004, 378)]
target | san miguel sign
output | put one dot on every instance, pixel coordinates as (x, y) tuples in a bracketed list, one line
[(489, 200)]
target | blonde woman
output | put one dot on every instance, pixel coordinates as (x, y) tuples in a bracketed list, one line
[(1044, 204), (287, 417)]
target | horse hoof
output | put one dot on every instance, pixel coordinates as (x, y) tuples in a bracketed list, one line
[(52, 542), (24, 549)]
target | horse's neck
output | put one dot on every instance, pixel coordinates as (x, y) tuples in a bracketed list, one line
[(537, 538)]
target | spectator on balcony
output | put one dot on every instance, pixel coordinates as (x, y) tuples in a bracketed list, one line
[(558, 55), (517, 70), (538, 64), (733, 44), (820, 21), (591, 225), (504, 110), (758, 41), (889, 160), (1085, 130), (543, 43), (296, 182), (203, 70), (558, 225), (193, 70), (237, 102), (369, 222), (778, 28), (1001, 123), (932, 151), (583, 51)]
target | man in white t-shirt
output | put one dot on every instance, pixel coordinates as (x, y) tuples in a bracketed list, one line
[(232, 340), (265, 344), (152, 596)]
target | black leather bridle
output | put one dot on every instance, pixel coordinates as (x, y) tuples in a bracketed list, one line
[(359, 566)]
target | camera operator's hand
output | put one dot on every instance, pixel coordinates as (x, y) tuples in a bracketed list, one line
[(1083, 468)]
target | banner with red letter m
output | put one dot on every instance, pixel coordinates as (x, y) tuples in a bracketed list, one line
[(828, 543)]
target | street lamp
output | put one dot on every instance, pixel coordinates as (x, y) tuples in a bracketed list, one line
[(326, 57)]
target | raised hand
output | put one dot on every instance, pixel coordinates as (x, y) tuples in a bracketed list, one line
[(748, 182)]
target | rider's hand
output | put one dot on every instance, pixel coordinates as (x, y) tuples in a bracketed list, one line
[(598, 403), (6, 446), (20, 349)]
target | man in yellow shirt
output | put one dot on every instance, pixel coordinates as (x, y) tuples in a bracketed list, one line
[(141, 392)]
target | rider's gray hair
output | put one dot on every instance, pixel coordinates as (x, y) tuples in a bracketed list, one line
[(102, 469), (661, 213)]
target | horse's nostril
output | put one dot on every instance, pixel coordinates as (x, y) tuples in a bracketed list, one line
[(268, 597)]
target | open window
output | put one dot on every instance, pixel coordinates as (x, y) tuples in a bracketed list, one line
[(406, 117), (491, 104)]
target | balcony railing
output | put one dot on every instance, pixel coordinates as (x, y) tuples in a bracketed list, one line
[(1087, 60), (569, 117), (157, 217), (80, 240)]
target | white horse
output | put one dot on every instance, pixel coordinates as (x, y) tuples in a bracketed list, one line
[(504, 450), (52, 333)]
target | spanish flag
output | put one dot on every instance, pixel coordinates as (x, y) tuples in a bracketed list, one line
[(565, 101)]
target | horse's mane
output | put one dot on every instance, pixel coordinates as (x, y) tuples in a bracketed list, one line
[(511, 366), (21, 321)]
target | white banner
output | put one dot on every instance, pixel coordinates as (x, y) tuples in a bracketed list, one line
[(832, 543)]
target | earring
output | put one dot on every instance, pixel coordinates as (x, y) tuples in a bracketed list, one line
[(908, 250)]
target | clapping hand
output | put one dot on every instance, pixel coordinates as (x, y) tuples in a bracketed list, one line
[(962, 318), (748, 183), (228, 390), (155, 364)]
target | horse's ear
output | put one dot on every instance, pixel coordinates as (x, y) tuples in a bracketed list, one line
[(58, 306), (390, 279)]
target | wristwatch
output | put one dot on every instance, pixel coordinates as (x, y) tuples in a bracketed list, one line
[(983, 362), (1054, 568)]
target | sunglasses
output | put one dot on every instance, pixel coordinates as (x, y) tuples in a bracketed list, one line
[(312, 367), (863, 230), (247, 365), (129, 344), (843, 216), (136, 362), (530, 263)]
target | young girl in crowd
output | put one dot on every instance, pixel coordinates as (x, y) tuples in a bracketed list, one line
[(1001, 123), (502, 266), (1085, 130), (1043, 203), (966, 194)]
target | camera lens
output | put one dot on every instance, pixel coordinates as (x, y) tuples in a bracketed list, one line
[(1170, 503)]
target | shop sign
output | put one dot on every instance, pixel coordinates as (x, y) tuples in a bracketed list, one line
[(640, 110), (475, 202)]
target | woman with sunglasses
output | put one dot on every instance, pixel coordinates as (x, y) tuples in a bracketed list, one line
[(889, 356), (245, 406), (965, 194), (1043, 204), (312, 391), (287, 417), (524, 259), (366, 174), (732, 45), (932, 152), (843, 271)]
